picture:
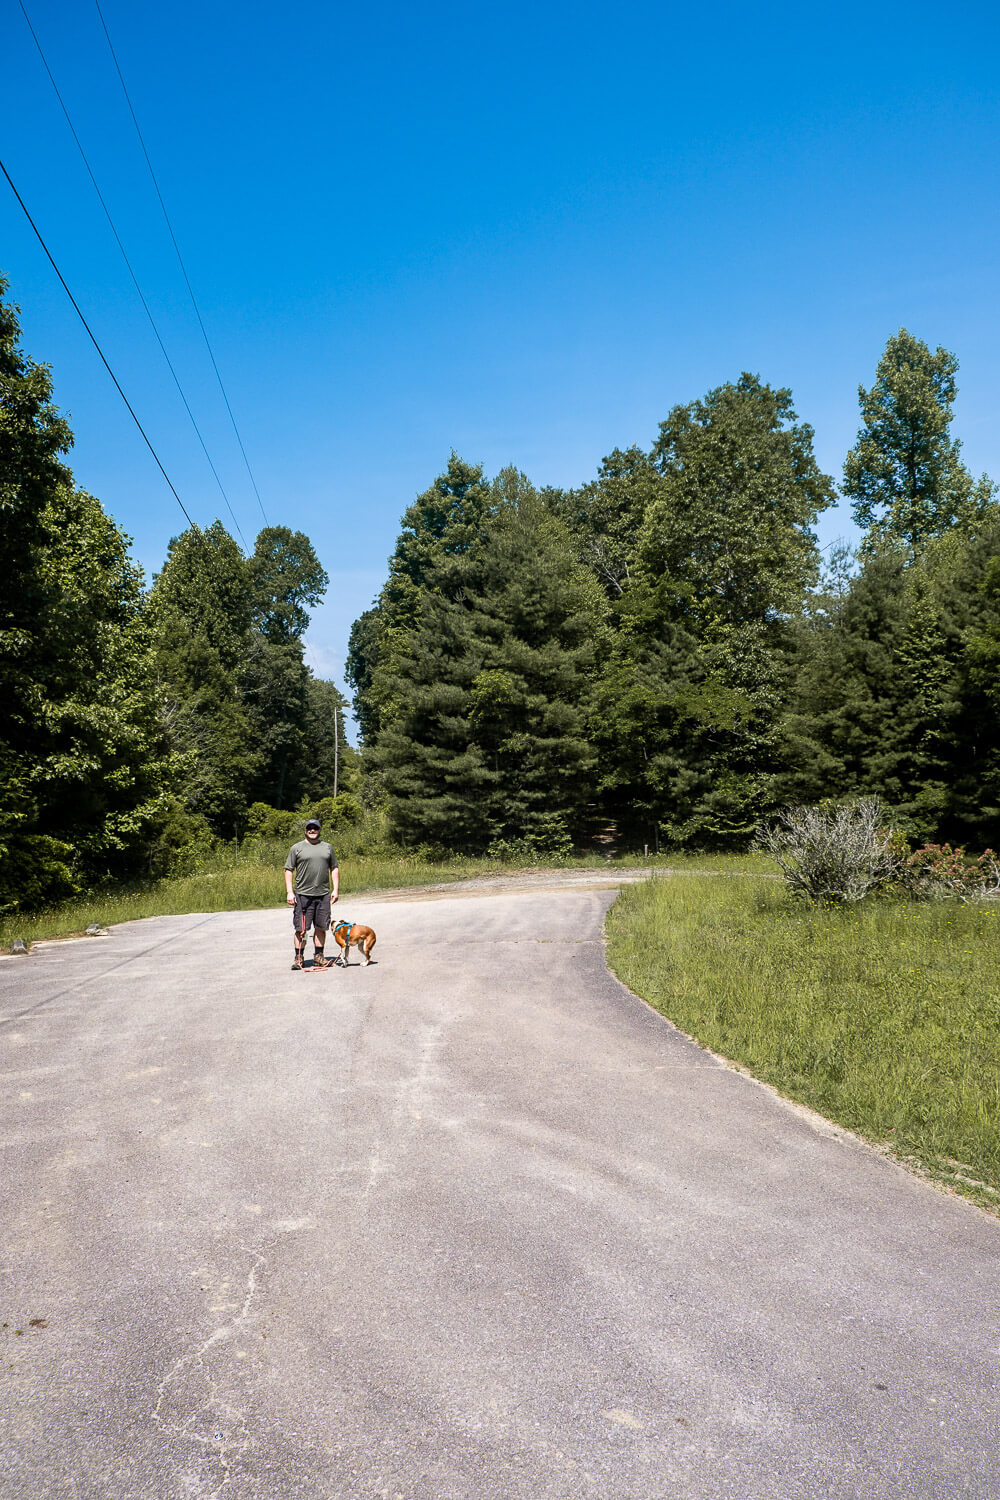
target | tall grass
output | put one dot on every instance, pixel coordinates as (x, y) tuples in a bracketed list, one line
[(244, 884), (885, 1017)]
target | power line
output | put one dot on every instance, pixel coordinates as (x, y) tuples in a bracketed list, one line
[(96, 345), (180, 259), (128, 263)]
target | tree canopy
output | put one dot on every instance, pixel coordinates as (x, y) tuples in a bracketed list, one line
[(655, 655), (905, 475)]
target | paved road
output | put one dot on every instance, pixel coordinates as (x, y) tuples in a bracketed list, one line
[(471, 1224)]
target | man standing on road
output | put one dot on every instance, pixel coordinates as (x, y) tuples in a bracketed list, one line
[(312, 882)]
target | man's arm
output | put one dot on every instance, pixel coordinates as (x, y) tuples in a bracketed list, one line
[(335, 884), (289, 886)]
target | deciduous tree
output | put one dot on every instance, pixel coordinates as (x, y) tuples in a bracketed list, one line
[(82, 761), (905, 475)]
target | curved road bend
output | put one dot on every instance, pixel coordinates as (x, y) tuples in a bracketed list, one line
[(471, 1224)]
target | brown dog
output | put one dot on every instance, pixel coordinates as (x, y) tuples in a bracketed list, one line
[(348, 933)]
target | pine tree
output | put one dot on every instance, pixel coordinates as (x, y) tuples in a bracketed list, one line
[(893, 692), (438, 531), (487, 738)]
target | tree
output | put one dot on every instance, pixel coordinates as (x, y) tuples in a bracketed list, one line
[(201, 607), (863, 719), (274, 692), (893, 690), (727, 540), (331, 764), (487, 736), (359, 669), (725, 555), (439, 529), (83, 766), (605, 516), (285, 577), (904, 475)]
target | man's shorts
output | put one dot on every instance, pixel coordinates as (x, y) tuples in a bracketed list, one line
[(311, 911)]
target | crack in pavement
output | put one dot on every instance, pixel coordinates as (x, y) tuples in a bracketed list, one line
[(221, 1444)]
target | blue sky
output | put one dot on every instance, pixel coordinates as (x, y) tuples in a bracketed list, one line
[(521, 231)]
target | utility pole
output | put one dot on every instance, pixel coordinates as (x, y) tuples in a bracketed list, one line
[(336, 749)]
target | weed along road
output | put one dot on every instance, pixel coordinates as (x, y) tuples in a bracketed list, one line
[(470, 1224)]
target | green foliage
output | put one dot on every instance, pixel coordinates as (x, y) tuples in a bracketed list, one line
[(204, 590), (887, 696), (274, 685), (691, 693), (264, 822), (547, 843), (235, 692), (650, 653), (83, 768), (359, 669), (285, 576), (201, 612), (904, 475), (329, 762), (439, 530), (728, 538), (605, 517), (181, 842), (334, 812), (488, 688)]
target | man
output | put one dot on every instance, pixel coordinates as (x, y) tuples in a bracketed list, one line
[(312, 882)]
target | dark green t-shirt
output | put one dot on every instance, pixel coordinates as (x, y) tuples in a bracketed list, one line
[(312, 864)]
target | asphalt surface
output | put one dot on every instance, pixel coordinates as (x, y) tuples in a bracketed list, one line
[(470, 1224)]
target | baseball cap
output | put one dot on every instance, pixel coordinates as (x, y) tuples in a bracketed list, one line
[(312, 823)]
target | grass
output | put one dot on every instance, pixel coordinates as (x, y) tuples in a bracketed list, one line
[(246, 886), (883, 1017)]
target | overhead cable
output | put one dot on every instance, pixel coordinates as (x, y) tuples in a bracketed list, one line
[(180, 259), (93, 340), (128, 263)]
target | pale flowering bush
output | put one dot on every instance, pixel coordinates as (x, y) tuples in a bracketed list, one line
[(835, 854)]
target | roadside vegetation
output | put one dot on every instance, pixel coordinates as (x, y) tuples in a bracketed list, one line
[(663, 653), (247, 876), (884, 1016)]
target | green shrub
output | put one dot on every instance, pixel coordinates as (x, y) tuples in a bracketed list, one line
[(181, 842), (333, 812), (34, 869), (264, 822), (546, 842)]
